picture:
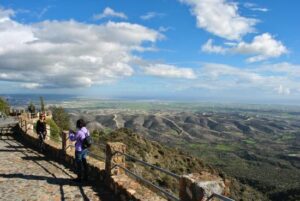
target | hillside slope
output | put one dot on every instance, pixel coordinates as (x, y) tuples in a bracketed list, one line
[(172, 159)]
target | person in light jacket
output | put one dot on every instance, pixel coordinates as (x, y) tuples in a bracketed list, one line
[(80, 152)]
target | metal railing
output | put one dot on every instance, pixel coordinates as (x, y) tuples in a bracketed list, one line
[(97, 156), (56, 139), (150, 165), (221, 197), (160, 190)]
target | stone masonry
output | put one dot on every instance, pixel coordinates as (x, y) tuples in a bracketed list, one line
[(28, 175)]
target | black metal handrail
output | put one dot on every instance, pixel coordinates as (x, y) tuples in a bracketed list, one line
[(150, 165), (162, 191), (221, 197)]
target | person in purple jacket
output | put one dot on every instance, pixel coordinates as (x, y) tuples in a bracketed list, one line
[(80, 152)]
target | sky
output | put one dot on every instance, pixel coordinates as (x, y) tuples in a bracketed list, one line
[(212, 50)]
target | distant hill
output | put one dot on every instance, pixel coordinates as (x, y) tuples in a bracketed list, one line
[(254, 148)]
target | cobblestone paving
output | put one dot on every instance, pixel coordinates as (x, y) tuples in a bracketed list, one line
[(26, 175)]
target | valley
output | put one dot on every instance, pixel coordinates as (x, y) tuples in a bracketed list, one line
[(260, 148)]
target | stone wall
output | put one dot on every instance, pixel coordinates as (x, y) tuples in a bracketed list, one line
[(127, 188), (193, 187)]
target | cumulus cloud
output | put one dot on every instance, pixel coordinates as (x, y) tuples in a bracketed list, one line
[(221, 18), (169, 71), (262, 47), (151, 15), (210, 48), (69, 53), (108, 12), (222, 76)]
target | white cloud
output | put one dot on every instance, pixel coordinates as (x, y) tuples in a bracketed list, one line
[(151, 15), (43, 11), (169, 71), (222, 76), (108, 12), (5, 14), (283, 90), (69, 53), (30, 85), (210, 48), (285, 68), (164, 29), (263, 46), (221, 18), (254, 7)]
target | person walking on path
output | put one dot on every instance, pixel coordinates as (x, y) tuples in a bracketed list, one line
[(81, 151), (41, 130)]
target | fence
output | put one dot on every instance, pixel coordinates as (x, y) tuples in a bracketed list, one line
[(115, 164)]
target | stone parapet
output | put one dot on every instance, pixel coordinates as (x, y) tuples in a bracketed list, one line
[(114, 157), (135, 191), (199, 186), (192, 187), (126, 188)]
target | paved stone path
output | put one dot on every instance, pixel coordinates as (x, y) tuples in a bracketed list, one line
[(27, 175)]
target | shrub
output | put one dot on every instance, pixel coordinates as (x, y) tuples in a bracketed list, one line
[(4, 106), (61, 118), (54, 129), (31, 108)]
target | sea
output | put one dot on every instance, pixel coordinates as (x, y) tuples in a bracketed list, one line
[(23, 100)]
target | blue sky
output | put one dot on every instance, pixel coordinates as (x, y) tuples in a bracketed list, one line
[(217, 50)]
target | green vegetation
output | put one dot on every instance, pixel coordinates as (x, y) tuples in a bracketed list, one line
[(169, 158), (4, 106), (107, 130), (55, 131), (287, 136), (42, 104), (31, 108), (249, 141), (224, 147), (61, 118), (258, 145)]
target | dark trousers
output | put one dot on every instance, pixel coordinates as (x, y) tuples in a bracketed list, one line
[(80, 158), (42, 137)]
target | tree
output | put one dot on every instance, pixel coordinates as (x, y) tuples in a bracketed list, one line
[(4, 106), (61, 118), (42, 104), (31, 107)]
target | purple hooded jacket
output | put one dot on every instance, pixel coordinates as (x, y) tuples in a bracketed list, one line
[(79, 137)]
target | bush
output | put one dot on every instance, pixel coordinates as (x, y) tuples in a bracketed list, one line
[(31, 108), (4, 106), (54, 129), (61, 118)]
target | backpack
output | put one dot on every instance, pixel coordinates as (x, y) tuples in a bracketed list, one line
[(87, 142)]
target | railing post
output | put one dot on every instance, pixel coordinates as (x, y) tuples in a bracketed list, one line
[(48, 132), (113, 158), (199, 186), (26, 126), (65, 141)]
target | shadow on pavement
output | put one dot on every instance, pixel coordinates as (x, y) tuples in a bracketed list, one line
[(16, 145)]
